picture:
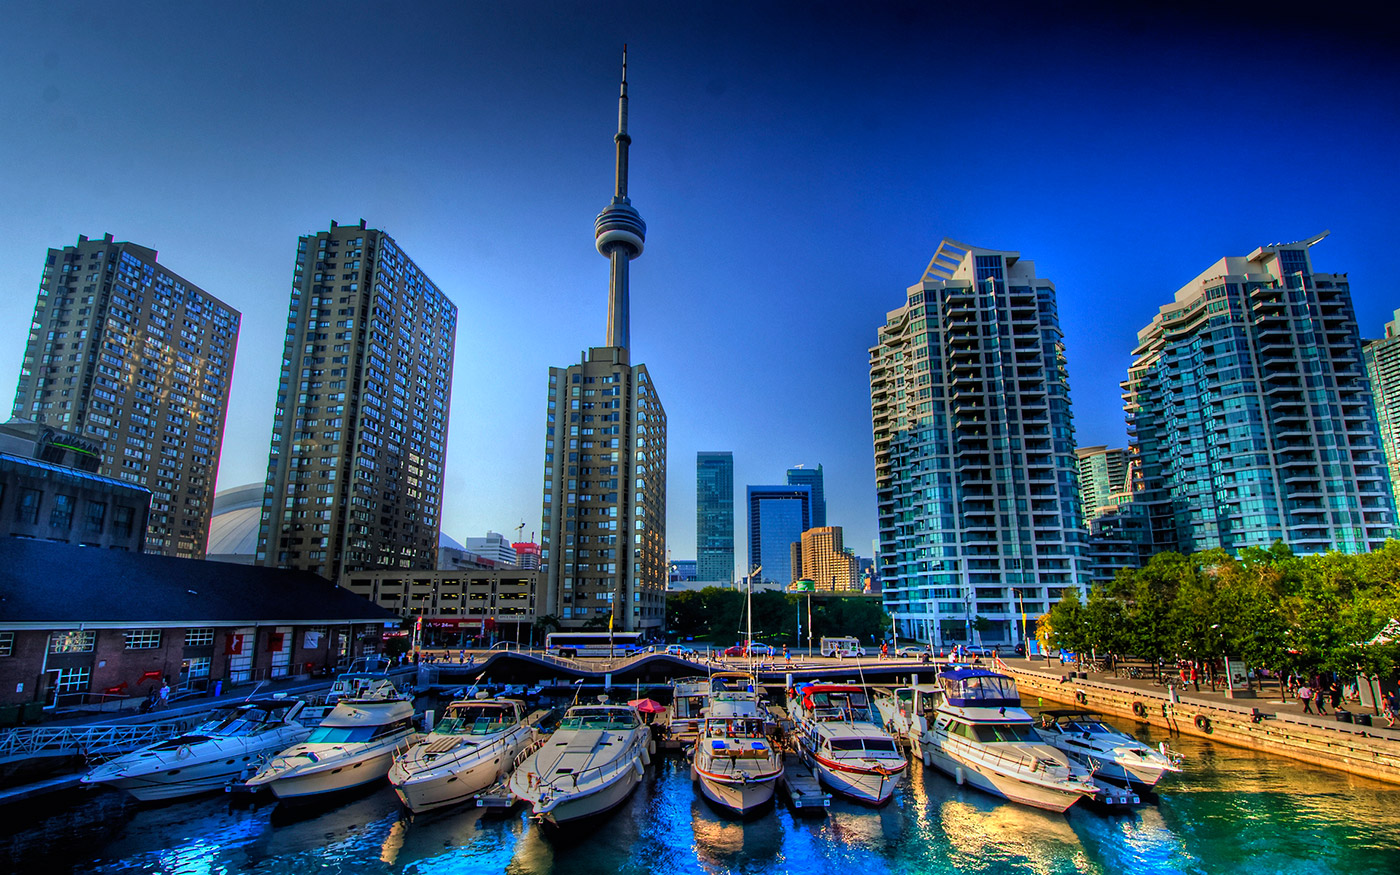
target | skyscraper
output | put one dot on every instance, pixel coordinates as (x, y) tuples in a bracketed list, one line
[(811, 477), (1103, 479), (603, 534), (974, 450), (827, 562), (714, 516), (359, 433), (1249, 411), (778, 515), (124, 351), (1383, 371)]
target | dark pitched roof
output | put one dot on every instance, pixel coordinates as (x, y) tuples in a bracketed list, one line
[(52, 585)]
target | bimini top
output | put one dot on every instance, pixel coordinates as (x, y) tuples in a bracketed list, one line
[(979, 688)]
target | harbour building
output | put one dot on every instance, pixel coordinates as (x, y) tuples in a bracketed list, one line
[(714, 517), (976, 481), (1383, 371), (801, 475), (778, 515), (1250, 414), (1103, 480), (359, 431), (603, 528), (127, 353)]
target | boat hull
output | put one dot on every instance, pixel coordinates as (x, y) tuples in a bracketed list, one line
[(874, 788), (969, 771), (577, 807), (344, 776), (737, 795), (453, 782)]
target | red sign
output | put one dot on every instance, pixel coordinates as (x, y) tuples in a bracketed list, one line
[(452, 623), (274, 641), (234, 645)]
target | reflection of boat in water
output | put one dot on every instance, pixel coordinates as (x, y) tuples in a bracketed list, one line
[(474, 745), (993, 830), (591, 763), (734, 762), (208, 757), (850, 753), (1112, 755)]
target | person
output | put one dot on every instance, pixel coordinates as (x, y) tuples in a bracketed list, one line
[(1305, 694), (1391, 708), (1334, 690), (785, 653), (164, 693), (885, 650)]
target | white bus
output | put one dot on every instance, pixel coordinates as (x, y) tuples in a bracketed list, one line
[(842, 647), (572, 645)]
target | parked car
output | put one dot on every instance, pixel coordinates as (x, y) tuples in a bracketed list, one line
[(679, 650), (911, 652), (761, 649), (735, 650), (982, 650)]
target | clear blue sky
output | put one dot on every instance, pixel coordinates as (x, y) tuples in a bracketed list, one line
[(796, 165)]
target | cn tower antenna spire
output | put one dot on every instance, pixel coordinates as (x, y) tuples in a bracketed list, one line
[(619, 230)]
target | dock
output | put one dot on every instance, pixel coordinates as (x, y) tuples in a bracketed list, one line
[(804, 792), (497, 798)]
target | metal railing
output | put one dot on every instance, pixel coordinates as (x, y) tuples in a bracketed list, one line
[(88, 741)]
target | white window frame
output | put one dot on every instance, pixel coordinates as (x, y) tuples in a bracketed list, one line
[(142, 639), (200, 637), (72, 641)]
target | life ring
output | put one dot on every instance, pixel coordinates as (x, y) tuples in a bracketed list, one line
[(1139, 709), (1081, 697), (183, 752), (1203, 723)]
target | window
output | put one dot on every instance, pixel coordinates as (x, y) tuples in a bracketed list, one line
[(72, 680), (142, 639), (196, 667), (61, 517), (27, 508), (7, 643), (72, 642), (199, 637), (121, 522), (96, 516)]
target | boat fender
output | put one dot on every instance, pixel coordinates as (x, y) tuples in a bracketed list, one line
[(1203, 723), (1081, 697), (959, 775), (646, 756), (638, 768), (928, 757), (1139, 709)]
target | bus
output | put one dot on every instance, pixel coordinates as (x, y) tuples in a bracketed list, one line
[(572, 645)]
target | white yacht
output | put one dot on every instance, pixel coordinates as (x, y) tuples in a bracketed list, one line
[(977, 732), (475, 745), (1112, 755), (838, 737), (353, 746), (734, 762), (689, 696), (364, 677), (590, 764), (206, 758)]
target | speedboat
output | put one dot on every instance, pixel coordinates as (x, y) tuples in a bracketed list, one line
[(475, 745), (365, 676), (838, 736), (235, 739), (353, 746), (734, 763), (978, 733), (1112, 755), (689, 696), (591, 763)]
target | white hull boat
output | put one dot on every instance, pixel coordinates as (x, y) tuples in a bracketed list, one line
[(588, 766), (1112, 755), (850, 753), (735, 765), (473, 747)]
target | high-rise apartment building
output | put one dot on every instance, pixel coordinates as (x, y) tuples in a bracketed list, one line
[(1103, 480), (1250, 414), (778, 515), (714, 517), (124, 351), (603, 537), (826, 561), (974, 450), (1383, 371), (359, 433), (811, 478)]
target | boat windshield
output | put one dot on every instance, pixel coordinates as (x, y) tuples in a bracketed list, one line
[(599, 718), (475, 720), (1092, 727), (341, 734), (985, 688), (869, 745), (241, 721), (734, 728), (991, 733)]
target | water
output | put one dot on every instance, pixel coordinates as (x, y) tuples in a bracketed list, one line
[(1232, 811)]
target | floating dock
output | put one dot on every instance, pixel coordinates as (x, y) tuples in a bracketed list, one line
[(804, 792)]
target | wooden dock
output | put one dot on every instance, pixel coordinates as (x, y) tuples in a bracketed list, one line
[(804, 792)]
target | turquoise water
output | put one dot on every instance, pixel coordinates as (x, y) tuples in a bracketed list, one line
[(1232, 811)]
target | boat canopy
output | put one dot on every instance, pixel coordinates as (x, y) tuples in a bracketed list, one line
[(979, 688)]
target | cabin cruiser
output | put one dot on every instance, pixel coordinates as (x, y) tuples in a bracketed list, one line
[(353, 746), (838, 737), (735, 764), (591, 763), (208, 757), (689, 696), (1112, 755), (474, 746), (365, 676), (977, 732)]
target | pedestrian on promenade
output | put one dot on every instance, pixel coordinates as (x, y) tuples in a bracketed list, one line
[(885, 650), (1320, 693), (1305, 694), (1334, 690), (164, 693), (1391, 707)]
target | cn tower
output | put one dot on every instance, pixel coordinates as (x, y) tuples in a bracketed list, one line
[(619, 229)]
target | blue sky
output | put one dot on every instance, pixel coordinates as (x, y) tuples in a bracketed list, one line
[(796, 164)]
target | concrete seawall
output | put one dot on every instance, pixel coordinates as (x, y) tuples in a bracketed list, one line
[(1367, 751)]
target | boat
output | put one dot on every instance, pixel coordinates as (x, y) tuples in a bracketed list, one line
[(689, 696), (975, 731), (1111, 754), (237, 738), (591, 763), (474, 746), (353, 746), (839, 738), (734, 763), (364, 674)]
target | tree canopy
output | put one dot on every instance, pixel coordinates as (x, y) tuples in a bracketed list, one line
[(717, 615)]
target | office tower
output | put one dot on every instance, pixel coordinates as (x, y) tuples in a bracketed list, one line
[(495, 547), (974, 450), (1383, 371), (778, 515), (359, 433), (125, 351), (527, 555), (1103, 480), (603, 537), (811, 477), (1250, 414), (827, 562), (714, 517)]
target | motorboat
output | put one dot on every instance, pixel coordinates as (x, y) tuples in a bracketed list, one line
[(840, 739), (591, 763), (689, 696), (977, 732), (353, 746), (1111, 754), (364, 677), (237, 738), (474, 746), (735, 764)]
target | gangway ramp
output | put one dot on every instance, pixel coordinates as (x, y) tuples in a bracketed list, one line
[(93, 741)]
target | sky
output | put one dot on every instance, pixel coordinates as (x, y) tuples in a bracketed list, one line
[(796, 164)]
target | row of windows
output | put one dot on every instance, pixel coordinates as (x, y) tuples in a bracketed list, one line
[(84, 640)]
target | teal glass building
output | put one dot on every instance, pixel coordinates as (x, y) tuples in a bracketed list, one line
[(714, 517)]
